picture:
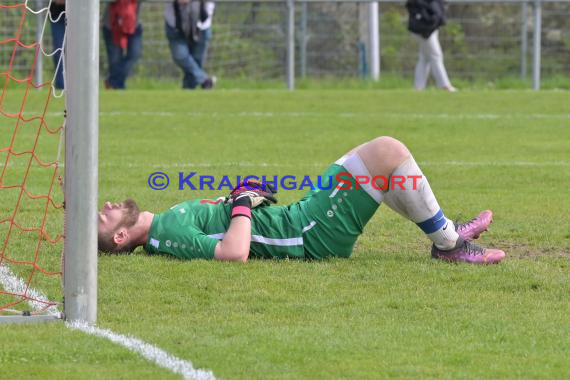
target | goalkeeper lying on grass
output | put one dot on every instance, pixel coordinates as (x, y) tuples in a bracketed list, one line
[(324, 223)]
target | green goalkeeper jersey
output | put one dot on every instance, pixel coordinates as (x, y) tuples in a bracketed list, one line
[(324, 223), (191, 230)]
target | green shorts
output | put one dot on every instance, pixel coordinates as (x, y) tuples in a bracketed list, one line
[(333, 218)]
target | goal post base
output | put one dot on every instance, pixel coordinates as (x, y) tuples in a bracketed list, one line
[(29, 319)]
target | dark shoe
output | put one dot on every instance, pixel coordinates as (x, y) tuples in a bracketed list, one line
[(209, 83)]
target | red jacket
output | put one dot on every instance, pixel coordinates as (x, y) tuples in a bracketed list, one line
[(123, 17)]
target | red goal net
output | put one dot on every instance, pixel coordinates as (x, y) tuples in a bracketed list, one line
[(31, 198)]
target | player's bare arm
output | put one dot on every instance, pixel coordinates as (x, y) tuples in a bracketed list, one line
[(236, 242)]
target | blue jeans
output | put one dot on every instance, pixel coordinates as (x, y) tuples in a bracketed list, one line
[(57, 34), (121, 61), (190, 57)]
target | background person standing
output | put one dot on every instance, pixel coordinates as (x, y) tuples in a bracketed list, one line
[(122, 31), (425, 19), (188, 30), (57, 19)]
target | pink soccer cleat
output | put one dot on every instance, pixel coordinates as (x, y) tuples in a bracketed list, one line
[(468, 252), (476, 226)]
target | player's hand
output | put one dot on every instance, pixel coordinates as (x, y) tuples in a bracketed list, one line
[(260, 194), (250, 194)]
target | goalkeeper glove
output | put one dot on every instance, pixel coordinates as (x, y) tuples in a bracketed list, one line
[(250, 194)]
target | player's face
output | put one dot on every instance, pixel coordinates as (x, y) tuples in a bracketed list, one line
[(114, 215)]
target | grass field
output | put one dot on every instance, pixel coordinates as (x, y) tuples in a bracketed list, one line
[(390, 311)]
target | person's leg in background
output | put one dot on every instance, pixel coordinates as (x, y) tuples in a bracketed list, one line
[(200, 48), (199, 51), (57, 35), (422, 66), (114, 60), (181, 54), (133, 53), (434, 55)]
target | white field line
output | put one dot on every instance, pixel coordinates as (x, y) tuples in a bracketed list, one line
[(484, 116), (249, 164), (495, 163), (148, 351), (11, 283)]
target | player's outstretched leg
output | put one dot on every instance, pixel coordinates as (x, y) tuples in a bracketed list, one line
[(410, 194)]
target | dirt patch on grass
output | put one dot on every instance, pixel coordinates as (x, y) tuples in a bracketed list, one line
[(525, 251)]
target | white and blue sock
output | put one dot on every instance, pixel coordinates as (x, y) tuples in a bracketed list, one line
[(420, 206)]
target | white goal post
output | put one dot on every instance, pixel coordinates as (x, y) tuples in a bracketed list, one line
[(81, 68), (81, 160)]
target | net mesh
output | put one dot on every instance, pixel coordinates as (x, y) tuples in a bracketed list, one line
[(31, 198)]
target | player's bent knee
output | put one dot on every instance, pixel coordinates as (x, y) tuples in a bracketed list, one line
[(391, 147), (383, 155)]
